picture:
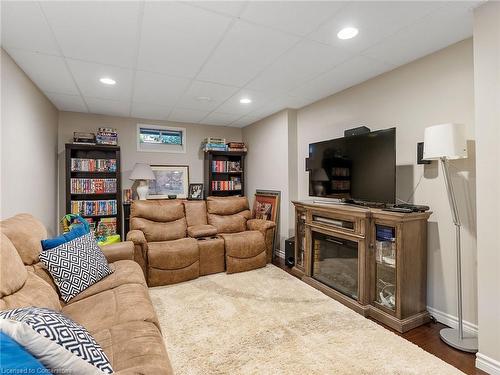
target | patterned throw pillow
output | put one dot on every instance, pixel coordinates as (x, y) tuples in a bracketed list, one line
[(76, 265), (55, 340)]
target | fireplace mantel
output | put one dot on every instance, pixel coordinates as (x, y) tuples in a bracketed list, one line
[(389, 261)]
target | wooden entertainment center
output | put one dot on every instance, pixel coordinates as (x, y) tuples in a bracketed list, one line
[(371, 260)]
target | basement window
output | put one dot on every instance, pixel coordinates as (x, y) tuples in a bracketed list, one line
[(158, 138)]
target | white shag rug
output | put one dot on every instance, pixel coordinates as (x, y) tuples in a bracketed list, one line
[(268, 322)]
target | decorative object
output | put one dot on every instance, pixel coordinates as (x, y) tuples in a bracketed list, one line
[(76, 265), (195, 192), (93, 183), (446, 142), (143, 173), (127, 196), (172, 196), (272, 197), (304, 330), (169, 180), (55, 340)]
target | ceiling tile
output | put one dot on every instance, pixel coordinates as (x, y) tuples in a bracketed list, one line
[(230, 8), (24, 26), (97, 31), (219, 118), (217, 94), (245, 50), (70, 103), (159, 88), (245, 121), (375, 20), (108, 107), (233, 105), (87, 77), (49, 72), (304, 61), (187, 115), (150, 111), (348, 74), (177, 38), (438, 30), (298, 17)]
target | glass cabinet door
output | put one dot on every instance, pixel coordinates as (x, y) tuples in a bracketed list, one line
[(385, 266), (300, 228)]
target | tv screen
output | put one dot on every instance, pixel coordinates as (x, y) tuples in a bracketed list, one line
[(359, 167)]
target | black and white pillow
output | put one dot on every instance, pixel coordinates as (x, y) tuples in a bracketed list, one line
[(76, 265), (59, 343)]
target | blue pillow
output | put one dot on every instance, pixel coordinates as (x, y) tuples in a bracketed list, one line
[(18, 360), (76, 232)]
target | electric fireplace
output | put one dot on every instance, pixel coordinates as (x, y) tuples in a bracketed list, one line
[(335, 263)]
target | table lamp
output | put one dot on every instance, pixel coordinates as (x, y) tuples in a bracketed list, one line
[(445, 142), (319, 176), (142, 173)]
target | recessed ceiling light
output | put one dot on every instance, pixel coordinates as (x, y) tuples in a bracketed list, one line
[(107, 81), (347, 33), (245, 100), (204, 98)]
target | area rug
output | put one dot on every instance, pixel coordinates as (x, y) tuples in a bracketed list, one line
[(268, 322)]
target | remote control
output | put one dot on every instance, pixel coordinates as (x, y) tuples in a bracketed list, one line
[(397, 209)]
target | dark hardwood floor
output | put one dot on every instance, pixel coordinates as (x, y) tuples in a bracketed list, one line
[(427, 337)]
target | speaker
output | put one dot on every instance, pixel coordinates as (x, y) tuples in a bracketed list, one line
[(356, 131), (290, 252)]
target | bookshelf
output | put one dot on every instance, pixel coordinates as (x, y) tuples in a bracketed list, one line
[(93, 182), (224, 173)]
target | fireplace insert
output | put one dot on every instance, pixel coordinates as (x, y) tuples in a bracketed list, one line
[(335, 263)]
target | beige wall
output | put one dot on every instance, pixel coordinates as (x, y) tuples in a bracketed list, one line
[(29, 148), (435, 89), (70, 122), (267, 163), (487, 99)]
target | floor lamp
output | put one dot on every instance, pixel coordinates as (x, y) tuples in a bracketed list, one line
[(445, 142)]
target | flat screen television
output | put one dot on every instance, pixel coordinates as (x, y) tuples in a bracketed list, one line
[(359, 167)]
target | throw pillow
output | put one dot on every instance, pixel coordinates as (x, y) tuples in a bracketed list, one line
[(17, 360), (76, 265), (55, 340), (77, 231)]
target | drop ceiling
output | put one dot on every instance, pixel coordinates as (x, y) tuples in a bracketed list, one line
[(169, 57)]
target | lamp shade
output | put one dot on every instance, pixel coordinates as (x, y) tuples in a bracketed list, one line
[(142, 172), (445, 141), (319, 175)]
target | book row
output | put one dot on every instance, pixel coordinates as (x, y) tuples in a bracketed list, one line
[(93, 165), (93, 185), (226, 166), (98, 207), (226, 185), (341, 185)]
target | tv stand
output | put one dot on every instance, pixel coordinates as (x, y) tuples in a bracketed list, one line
[(373, 261)]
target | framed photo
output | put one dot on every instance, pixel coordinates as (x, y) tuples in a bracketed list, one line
[(195, 192), (267, 206), (169, 180)]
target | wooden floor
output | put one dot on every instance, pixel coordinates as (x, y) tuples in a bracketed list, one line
[(427, 337)]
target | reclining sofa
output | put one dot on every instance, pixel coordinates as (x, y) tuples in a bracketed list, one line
[(117, 310), (179, 240)]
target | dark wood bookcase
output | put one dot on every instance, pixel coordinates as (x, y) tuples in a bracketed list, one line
[(83, 151), (212, 176)]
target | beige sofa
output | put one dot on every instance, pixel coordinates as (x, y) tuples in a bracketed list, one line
[(117, 310)]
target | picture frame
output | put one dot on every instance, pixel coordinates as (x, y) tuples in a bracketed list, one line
[(195, 192), (169, 180), (272, 197)]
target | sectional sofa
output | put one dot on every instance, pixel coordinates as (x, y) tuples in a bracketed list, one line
[(117, 310)]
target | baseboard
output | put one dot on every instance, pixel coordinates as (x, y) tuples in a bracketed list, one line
[(487, 364), (451, 321)]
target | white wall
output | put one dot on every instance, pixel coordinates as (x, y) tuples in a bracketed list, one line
[(29, 148), (487, 102), (70, 122), (267, 163)]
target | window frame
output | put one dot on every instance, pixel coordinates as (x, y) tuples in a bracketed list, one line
[(170, 148)]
